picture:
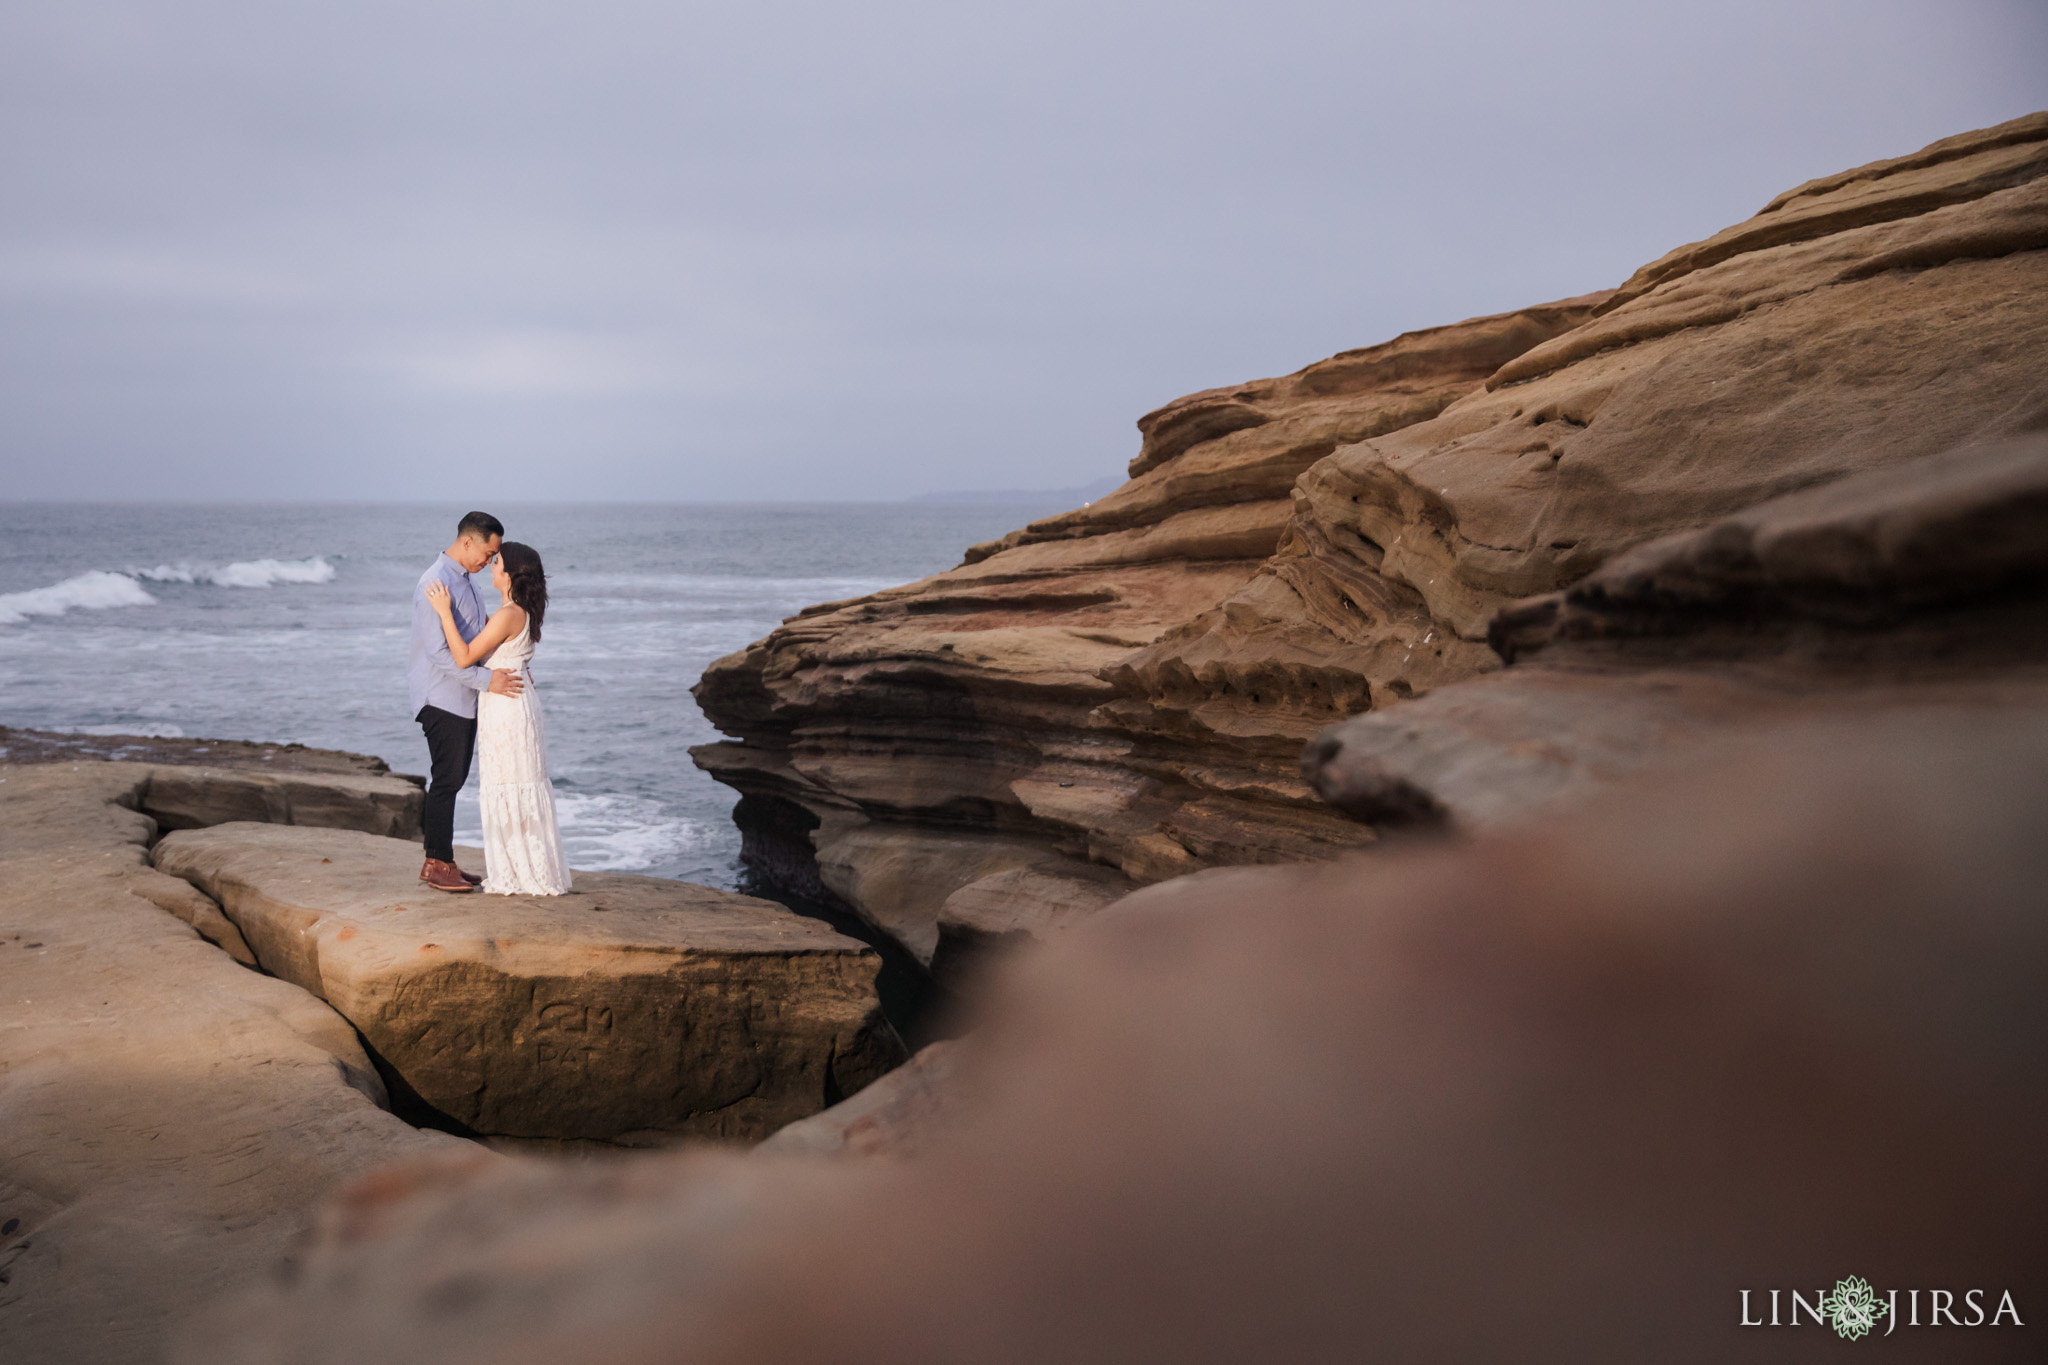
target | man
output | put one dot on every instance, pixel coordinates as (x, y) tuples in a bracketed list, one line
[(444, 696)]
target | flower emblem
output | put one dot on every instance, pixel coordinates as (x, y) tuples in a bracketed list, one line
[(1853, 1308)]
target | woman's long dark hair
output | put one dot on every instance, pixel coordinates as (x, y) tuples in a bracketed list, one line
[(529, 581)]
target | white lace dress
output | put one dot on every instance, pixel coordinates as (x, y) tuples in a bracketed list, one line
[(522, 846)]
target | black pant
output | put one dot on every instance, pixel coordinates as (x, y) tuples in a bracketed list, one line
[(451, 739)]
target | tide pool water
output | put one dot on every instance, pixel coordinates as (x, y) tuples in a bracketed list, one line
[(289, 623)]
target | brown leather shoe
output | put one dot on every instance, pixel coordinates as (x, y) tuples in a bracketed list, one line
[(444, 876), (470, 877)]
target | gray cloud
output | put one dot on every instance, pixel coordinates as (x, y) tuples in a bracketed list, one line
[(803, 249)]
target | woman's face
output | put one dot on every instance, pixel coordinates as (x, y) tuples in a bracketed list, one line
[(501, 580)]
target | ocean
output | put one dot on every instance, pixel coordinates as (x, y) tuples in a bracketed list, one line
[(288, 623)]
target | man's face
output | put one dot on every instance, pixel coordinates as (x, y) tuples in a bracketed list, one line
[(476, 554)]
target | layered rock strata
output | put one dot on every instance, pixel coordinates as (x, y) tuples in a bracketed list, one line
[(168, 1119), (1759, 1023), (946, 737), (1120, 694), (632, 1010)]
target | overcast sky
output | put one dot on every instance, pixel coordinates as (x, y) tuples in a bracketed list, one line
[(805, 250)]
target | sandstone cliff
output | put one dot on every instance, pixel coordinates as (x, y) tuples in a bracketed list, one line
[(1120, 694)]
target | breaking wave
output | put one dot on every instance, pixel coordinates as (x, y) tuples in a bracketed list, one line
[(95, 591), (101, 589), (248, 573)]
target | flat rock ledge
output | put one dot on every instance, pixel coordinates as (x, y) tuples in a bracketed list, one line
[(194, 797), (195, 782), (632, 1010), (33, 747)]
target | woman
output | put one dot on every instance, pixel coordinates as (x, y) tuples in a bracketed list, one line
[(522, 846)]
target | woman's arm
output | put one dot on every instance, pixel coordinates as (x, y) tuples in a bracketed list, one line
[(503, 625)]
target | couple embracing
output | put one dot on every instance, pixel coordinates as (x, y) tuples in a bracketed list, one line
[(473, 695)]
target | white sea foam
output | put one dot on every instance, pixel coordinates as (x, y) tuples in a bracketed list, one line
[(95, 591), (610, 832), (144, 729), (247, 573), (614, 833)]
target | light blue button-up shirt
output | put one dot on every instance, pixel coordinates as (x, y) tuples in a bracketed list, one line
[(432, 674)]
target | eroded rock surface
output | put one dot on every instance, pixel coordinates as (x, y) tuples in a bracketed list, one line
[(1765, 1021), (1920, 585), (168, 1119), (632, 1010), (1120, 694)]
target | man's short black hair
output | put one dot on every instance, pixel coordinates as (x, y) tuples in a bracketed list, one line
[(482, 524)]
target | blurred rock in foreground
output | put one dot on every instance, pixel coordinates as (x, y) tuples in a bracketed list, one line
[(894, 1116), (1559, 1092)]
